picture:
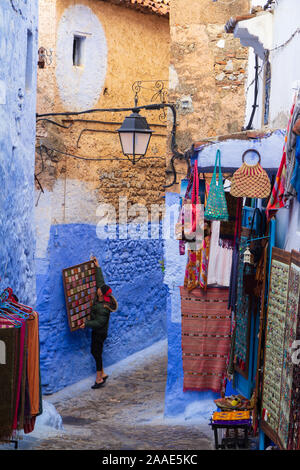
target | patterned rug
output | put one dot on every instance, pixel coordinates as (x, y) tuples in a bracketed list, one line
[(289, 411), (205, 338)]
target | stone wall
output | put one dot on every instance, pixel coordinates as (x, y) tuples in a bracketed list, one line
[(121, 46), (18, 52), (207, 70)]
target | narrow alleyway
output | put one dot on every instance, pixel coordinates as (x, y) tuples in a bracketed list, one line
[(127, 414)]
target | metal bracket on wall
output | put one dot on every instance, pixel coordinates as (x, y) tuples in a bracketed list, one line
[(185, 156), (160, 93)]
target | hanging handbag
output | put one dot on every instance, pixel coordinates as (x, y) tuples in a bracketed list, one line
[(250, 180), (183, 227), (216, 207)]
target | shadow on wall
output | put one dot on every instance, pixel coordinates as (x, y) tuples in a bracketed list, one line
[(131, 268)]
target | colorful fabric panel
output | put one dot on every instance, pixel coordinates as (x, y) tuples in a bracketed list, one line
[(205, 338), (289, 414), (275, 340)]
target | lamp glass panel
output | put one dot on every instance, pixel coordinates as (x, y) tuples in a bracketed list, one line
[(127, 142), (141, 142)]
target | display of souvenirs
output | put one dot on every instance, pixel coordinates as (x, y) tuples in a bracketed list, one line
[(231, 415), (274, 344), (205, 338), (234, 402), (289, 414), (250, 180), (240, 309), (20, 389), (80, 290)]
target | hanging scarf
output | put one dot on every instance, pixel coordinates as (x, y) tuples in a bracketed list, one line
[(195, 197), (290, 191), (197, 266), (277, 199)]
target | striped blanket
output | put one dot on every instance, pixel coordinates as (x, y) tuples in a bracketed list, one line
[(205, 338)]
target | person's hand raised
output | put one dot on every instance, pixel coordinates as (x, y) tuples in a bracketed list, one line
[(95, 261)]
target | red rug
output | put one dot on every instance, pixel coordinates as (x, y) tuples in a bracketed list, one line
[(205, 338)]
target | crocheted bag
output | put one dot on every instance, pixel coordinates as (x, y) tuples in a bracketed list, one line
[(250, 180), (216, 206)]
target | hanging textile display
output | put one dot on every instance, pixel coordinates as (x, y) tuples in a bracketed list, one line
[(197, 266), (220, 259), (216, 207), (250, 180), (294, 295), (289, 408), (274, 343), (227, 228), (235, 256), (20, 391), (245, 288), (295, 180), (205, 338), (241, 309), (8, 343), (80, 289), (190, 224), (289, 190), (277, 199)]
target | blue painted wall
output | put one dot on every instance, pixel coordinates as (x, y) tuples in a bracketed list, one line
[(18, 21), (131, 268), (176, 401)]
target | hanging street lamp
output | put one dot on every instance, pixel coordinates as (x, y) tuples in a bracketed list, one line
[(135, 135)]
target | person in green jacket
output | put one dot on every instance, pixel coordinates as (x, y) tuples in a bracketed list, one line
[(104, 303)]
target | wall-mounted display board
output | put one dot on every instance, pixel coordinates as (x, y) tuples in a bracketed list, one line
[(289, 416), (280, 401), (80, 290)]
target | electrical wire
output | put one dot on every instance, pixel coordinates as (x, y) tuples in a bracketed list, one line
[(286, 42), (96, 159), (254, 106), (54, 122), (150, 107)]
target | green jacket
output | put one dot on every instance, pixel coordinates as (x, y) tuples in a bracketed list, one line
[(99, 313)]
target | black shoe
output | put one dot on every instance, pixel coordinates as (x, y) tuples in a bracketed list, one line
[(98, 385), (105, 378)]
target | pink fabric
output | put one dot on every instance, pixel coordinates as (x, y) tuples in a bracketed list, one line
[(195, 197), (19, 372)]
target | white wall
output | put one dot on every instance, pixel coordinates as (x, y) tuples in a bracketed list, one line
[(285, 66), (80, 87), (285, 61)]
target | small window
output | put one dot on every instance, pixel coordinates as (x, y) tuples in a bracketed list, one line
[(78, 50)]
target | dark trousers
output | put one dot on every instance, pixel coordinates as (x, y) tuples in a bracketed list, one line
[(97, 348)]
